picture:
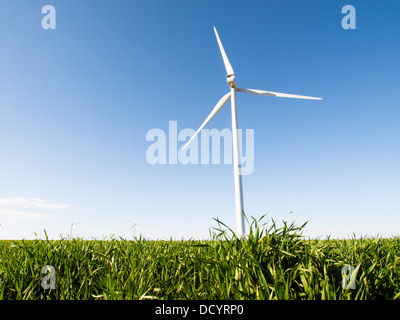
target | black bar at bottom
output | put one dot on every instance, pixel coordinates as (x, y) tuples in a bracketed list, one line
[(206, 309)]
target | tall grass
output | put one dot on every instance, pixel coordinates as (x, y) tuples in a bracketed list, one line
[(272, 263)]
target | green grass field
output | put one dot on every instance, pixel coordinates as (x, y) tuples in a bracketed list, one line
[(273, 263)]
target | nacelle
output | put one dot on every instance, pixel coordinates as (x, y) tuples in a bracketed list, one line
[(231, 80)]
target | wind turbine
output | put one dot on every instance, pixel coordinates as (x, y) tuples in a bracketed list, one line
[(230, 77), (134, 228)]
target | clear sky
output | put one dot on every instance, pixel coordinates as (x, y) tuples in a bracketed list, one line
[(77, 102)]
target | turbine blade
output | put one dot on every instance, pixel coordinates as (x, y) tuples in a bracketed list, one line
[(217, 107), (275, 94), (228, 67)]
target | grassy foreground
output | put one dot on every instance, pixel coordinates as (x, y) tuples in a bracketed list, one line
[(273, 263)]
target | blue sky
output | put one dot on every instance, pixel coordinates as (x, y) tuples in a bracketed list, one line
[(77, 102)]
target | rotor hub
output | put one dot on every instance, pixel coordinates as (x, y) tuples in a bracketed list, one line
[(230, 78)]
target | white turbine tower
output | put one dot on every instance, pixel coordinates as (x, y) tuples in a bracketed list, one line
[(235, 139), (72, 225)]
